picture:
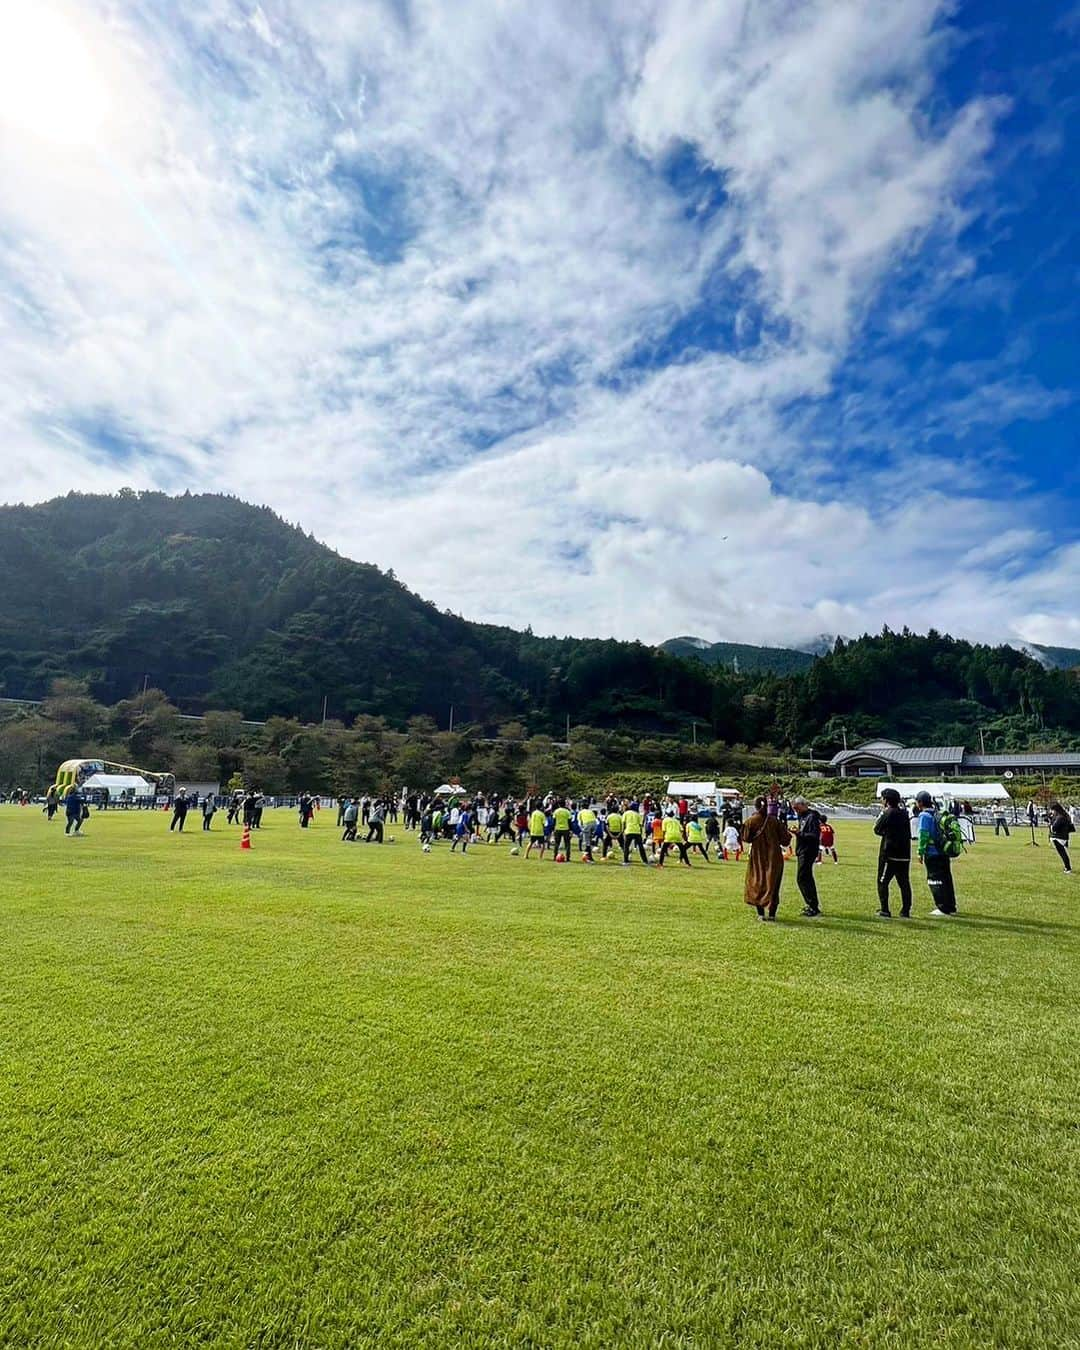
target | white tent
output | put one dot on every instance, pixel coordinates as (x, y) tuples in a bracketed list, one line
[(691, 789), (118, 783), (450, 790), (954, 791)]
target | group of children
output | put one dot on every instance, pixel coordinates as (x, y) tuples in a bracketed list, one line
[(624, 828)]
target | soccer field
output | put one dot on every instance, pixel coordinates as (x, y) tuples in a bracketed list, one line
[(337, 1095)]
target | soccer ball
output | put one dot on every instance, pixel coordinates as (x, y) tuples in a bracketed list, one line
[(560, 857), (585, 858), (389, 838), (426, 848), (514, 851)]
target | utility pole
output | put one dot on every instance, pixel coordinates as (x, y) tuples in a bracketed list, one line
[(843, 732), (451, 717), (693, 730), (982, 740), (145, 682), (567, 728), (324, 698)]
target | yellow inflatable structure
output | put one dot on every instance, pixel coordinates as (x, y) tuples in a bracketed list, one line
[(75, 772)]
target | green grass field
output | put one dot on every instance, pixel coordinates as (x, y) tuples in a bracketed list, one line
[(330, 1095)]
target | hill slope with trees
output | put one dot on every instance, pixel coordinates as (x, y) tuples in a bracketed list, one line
[(219, 603), (740, 657), (224, 605)]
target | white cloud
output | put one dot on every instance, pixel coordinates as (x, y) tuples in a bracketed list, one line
[(383, 268)]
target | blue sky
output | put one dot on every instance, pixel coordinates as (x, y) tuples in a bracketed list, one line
[(734, 317)]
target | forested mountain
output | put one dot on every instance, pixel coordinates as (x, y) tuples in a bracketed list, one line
[(740, 657), (223, 605), (219, 603)]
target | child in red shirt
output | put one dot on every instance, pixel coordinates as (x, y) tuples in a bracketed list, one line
[(828, 841)]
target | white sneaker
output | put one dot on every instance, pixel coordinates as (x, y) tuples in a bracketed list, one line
[(938, 914)]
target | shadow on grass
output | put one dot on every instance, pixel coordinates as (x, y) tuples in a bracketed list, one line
[(1013, 925), (966, 919)]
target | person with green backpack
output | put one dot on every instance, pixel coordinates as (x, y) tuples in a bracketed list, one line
[(940, 841)]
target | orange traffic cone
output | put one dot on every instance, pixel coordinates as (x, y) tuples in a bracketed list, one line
[(245, 838)]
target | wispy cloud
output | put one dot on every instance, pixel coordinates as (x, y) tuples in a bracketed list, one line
[(548, 307)]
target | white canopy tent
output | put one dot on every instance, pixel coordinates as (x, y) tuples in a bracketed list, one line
[(967, 792), (702, 790), (450, 790), (118, 783)]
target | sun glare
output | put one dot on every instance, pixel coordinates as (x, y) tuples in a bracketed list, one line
[(49, 84)]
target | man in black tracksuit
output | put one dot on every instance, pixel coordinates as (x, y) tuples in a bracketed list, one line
[(893, 828), (807, 848), (180, 810)]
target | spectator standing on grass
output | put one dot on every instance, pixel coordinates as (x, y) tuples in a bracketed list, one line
[(52, 802), (180, 810), (937, 863), (893, 828), (807, 851), (209, 806), (767, 836), (73, 810), (1000, 822), (1061, 827)]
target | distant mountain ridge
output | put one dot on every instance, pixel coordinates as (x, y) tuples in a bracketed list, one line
[(744, 658), (1052, 658), (748, 659)]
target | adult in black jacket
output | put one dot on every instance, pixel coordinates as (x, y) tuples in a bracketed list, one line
[(1060, 829), (180, 810), (893, 828), (807, 849)]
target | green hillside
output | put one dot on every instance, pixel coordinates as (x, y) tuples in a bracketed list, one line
[(219, 604)]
